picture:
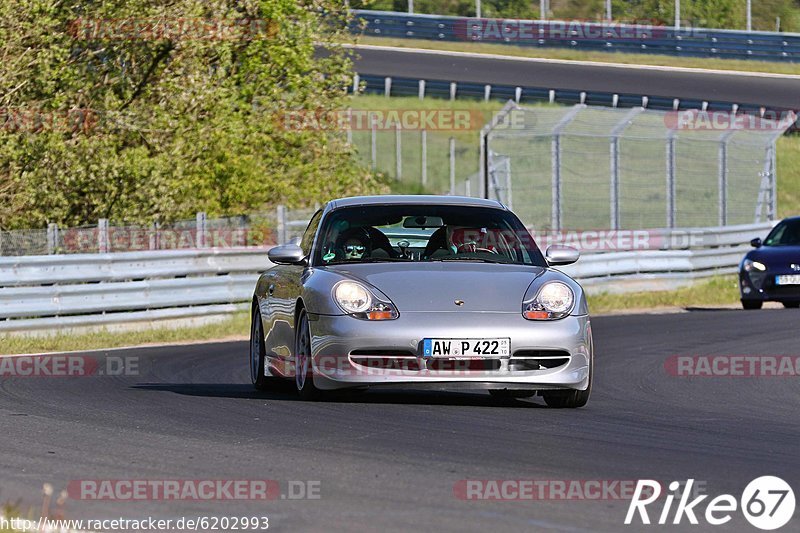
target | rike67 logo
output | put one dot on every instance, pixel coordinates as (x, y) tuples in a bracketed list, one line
[(767, 503)]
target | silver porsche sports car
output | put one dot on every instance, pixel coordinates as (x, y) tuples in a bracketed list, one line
[(422, 291)]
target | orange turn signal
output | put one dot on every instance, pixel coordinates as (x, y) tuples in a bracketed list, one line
[(537, 315), (379, 315)]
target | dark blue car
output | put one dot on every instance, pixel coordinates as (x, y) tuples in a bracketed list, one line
[(771, 272)]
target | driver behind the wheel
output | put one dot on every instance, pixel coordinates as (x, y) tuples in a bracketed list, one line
[(461, 239), (356, 244)]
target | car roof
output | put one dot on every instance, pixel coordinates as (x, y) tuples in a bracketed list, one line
[(413, 199)]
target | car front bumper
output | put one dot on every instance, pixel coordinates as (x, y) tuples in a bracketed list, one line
[(544, 355)]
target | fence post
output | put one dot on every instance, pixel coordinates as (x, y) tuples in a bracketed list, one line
[(200, 227), (398, 152), (671, 180), (52, 238), (424, 157), (722, 170), (349, 126), (374, 140), (102, 235), (555, 161), (616, 132), (154, 236), (467, 187), (773, 182), (452, 165), (281, 215), (356, 83)]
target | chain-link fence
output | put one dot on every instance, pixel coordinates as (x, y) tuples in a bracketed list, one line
[(259, 229), (595, 167)]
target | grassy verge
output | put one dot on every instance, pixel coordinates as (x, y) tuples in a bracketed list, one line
[(721, 290), (788, 171), (578, 55), (237, 326)]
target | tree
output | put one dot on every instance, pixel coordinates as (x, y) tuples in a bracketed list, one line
[(135, 110)]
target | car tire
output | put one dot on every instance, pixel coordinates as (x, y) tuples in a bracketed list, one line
[(505, 394), (304, 372), (791, 305), (752, 304), (570, 399), (258, 354)]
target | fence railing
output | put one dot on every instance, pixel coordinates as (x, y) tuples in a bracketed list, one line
[(598, 36), (66, 291), (260, 229)]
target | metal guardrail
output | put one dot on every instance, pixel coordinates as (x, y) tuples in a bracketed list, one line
[(58, 292), (599, 36), (401, 86)]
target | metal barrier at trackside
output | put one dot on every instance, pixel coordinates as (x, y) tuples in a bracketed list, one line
[(583, 35), (64, 291)]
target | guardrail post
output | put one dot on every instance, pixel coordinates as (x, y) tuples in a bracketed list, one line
[(452, 165), (356, 83), (200, 228), (387, 86), (421, 89), (52, 238), (453, 88), (487, 92), (398, 152), (517, 94), (102, 235), (281, 217)]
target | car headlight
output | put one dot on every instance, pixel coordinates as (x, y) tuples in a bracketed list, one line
[(554, 300), (750, 265), (357, 301)]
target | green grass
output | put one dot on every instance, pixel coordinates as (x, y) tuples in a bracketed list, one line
[(788, 153), (578, 55), (721, 290), (237, 326)]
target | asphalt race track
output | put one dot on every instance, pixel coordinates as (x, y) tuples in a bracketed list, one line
[(388, 460), (780, 92)]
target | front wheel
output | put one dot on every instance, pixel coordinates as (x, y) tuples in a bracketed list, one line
[(570, 399), (752, 304), (258, 354), (303, 370)]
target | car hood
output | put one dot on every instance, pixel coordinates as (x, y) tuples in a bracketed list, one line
[(776, 257), (431, 287)]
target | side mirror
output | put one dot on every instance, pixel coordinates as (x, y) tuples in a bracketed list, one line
[(561, 255), (288, 254), (756, 243)]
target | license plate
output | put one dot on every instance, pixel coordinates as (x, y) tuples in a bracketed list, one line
[(789, 279), (466, 347)]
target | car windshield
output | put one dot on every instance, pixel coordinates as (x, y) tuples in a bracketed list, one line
[(786, 233), (424, 233)]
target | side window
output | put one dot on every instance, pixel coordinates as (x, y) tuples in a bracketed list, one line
[(308, 237)]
